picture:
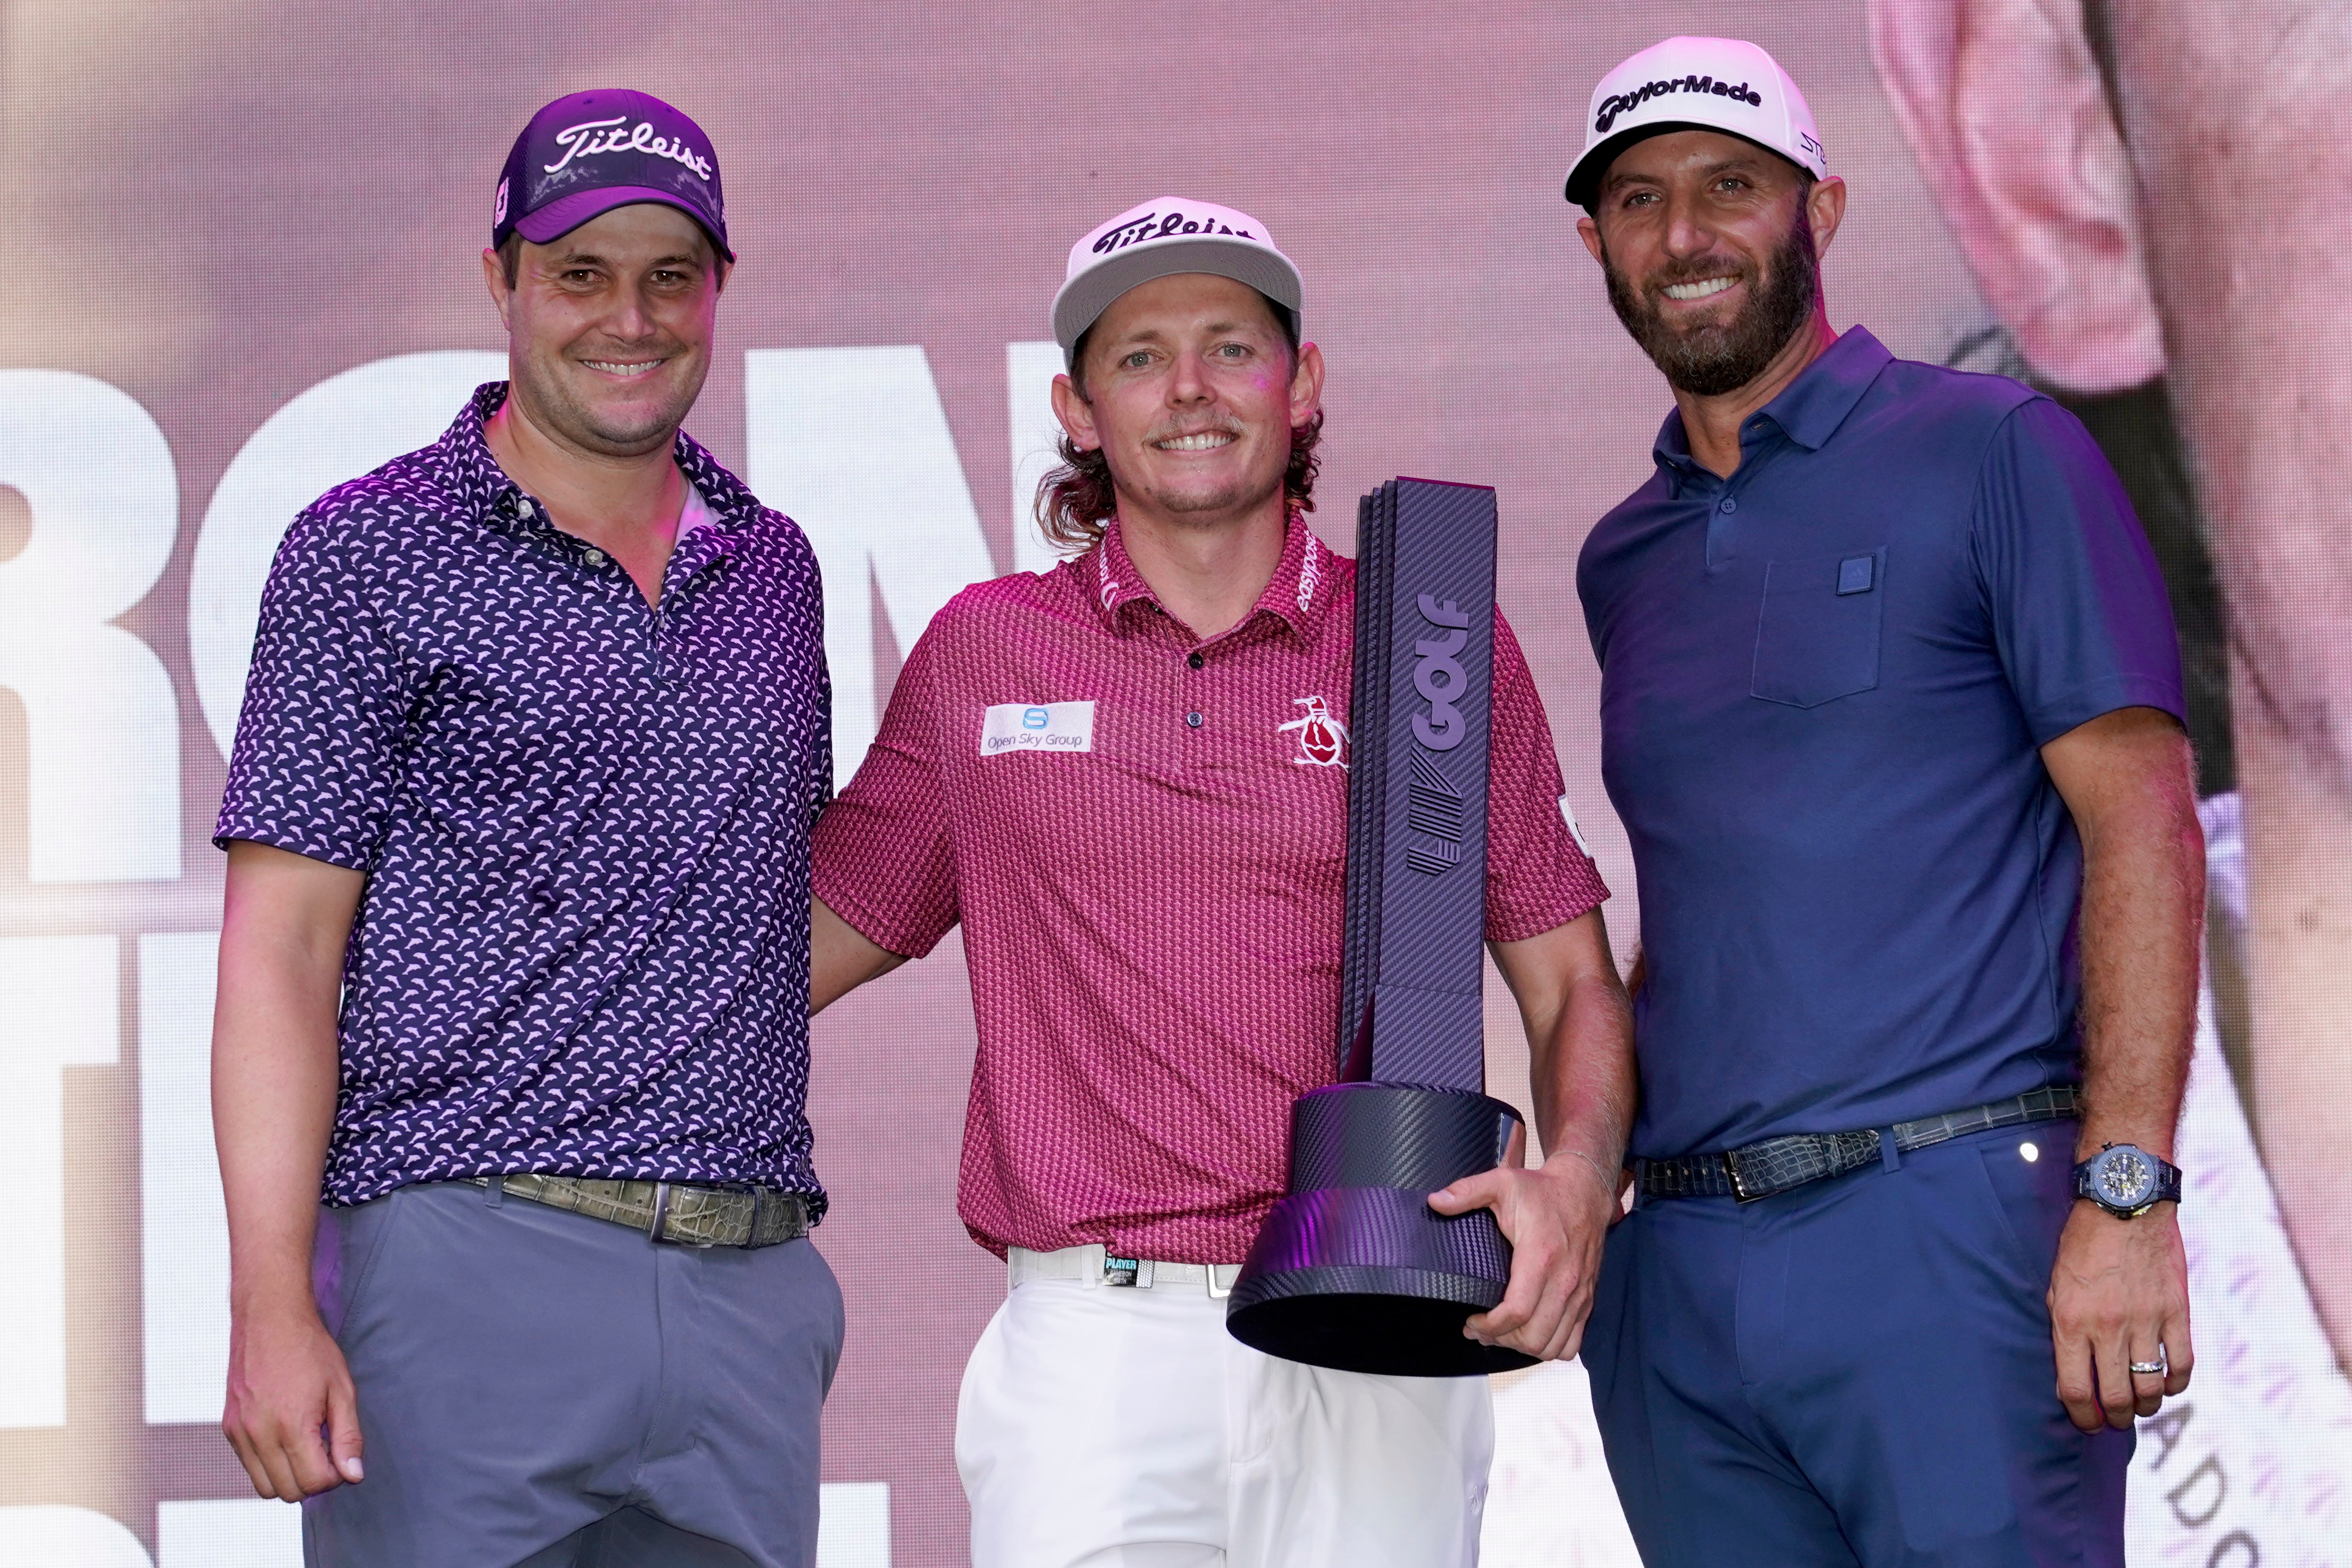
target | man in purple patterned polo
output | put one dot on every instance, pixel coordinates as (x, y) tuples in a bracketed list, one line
[(535, 732)]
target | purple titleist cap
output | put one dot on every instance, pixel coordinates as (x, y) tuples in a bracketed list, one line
[(583, 156)]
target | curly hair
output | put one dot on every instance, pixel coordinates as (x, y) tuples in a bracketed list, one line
[(1076, 500)]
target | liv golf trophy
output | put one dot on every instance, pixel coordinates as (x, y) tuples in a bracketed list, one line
[(1354, 1269)]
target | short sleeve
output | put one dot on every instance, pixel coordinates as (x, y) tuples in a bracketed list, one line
[(1537, 876), (882, 856), (2079, 614), (320, 741)]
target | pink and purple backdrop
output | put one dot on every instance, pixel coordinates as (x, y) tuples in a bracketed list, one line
[(240, 264)]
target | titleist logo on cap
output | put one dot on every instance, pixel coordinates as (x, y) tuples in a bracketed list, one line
[(1618, 103), (600, 136), (1156, 226)]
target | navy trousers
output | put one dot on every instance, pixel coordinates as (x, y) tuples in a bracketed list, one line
[(1858, 1371), (542, 1390)]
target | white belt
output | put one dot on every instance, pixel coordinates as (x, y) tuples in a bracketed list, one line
[(1094, 1266)]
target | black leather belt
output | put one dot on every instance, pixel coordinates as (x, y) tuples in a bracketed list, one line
[(1778, 1164)]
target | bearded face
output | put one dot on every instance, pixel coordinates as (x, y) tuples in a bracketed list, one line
[(1707, 355)]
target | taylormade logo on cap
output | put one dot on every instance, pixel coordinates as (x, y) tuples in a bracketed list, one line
[(1696, 84), (1615, 104), (1158, 239)]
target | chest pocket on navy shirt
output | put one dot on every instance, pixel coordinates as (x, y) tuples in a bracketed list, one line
[(1817, 634)]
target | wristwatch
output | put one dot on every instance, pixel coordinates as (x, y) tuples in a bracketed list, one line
[(2126, 1181)]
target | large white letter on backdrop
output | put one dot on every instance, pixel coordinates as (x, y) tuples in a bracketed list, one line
[(853, 444), (341, 428), (53, 1536), (185, 1236), (57, 1010), (1029, 372), (102, 796)]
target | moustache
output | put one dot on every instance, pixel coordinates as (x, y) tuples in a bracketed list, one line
[(1225, 426)]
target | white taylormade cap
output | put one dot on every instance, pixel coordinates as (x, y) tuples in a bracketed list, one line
[(1158, 239), (1705, 84)]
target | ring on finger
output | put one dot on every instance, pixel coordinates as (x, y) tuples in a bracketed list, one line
[(2148, 1368)]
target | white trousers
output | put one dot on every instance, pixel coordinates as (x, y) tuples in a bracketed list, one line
[(1105, 1428)]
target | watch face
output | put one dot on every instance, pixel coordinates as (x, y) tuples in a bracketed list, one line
[(2124, 1177)]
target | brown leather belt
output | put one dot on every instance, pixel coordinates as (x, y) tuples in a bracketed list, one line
[(683, 1213)]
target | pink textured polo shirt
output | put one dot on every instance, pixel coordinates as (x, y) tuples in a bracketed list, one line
[(1145, 837)]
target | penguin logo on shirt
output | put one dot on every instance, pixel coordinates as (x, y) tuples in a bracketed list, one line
[(1322, 740)]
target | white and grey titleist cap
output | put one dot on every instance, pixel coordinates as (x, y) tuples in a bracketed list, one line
[(1694, 84), (1164, 238)]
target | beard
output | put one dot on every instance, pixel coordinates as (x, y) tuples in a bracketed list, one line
[(1714, 358)]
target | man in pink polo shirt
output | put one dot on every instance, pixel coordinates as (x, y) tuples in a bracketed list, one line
[(1128, 778)]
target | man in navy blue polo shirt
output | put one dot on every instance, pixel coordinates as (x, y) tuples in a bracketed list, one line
[(1890, 712), (534, 736)]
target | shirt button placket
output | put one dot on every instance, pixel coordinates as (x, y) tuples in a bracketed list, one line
[(1193, 719), (1719, 530)]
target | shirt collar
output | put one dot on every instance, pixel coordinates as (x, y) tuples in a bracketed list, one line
[(472, 475), (695, 513), (1809, 409), (1300, 592)]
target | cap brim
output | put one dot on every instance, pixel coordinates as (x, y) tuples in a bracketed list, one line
[(564, 214), (1584, 178), (1084, 298)]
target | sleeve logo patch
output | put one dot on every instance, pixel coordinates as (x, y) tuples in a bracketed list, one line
[(1037, 727), (1574, 832)]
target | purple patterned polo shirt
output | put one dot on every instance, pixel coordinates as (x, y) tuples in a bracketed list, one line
[(583, 944)]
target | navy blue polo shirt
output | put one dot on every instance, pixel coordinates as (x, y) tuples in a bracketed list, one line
[(1825, 683), (582, 947)]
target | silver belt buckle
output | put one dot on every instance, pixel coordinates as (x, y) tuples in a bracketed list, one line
[(1134, 1273), (661, 1221), (1739, 1192)]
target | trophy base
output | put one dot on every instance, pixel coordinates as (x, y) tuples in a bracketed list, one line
[(1356, 1271), (1379, 1326)]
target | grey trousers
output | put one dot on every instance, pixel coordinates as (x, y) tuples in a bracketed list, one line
[(542, 1390)]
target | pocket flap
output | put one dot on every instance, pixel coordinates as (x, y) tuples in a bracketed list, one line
[(1817, 631)]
